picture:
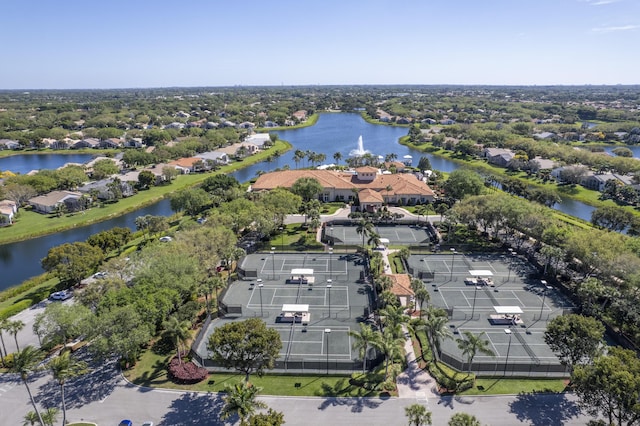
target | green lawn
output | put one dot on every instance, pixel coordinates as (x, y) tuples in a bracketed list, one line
[(499, 386), (150, 371), (30, 225)]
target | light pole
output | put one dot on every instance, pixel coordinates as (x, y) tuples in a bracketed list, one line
[(281, 238), (506, 362), (544, 295), (329, 291), (260, 285), (510, 263), (327, 331), (330, 265), (273, 261), (453, 256), (475, 292)]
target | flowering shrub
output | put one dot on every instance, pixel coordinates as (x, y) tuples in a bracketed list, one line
[(186, 373)]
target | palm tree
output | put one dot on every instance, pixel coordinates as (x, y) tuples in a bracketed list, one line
[(418, 415), (241, 400), (393, 316), (178, 330), (364, 339), (472, 344), (422, 295), (437, 328), (463, 419), (391, 347), (298, 156), (390, 157), (64, 367), (3, 327), (25, 362), (337, 156), (364, 228), (49, 416), (30, 419), (374, 239), (14, 328)]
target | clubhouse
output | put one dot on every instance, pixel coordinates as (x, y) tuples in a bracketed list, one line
[(372, 188)]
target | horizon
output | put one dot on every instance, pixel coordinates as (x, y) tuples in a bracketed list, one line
[(78, 46)]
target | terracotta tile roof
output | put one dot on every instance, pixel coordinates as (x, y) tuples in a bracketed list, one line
[(367, 169), (185, 162), (399, 183), (400, 284), (370, 196)]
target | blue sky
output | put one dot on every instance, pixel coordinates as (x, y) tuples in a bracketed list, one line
[(133, 43)]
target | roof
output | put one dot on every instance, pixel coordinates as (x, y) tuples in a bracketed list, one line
[(507, 310), (185, 162), (370, 196), (54, 197), (294, 307), (367, 169), (480, 273), (302, 271), (400, 183), (400, 284)]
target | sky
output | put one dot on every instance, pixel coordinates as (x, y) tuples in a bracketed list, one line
[(73, 44)]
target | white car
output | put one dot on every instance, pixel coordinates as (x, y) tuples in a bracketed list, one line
[(61, 295), (99, 275), (165, 239), (147, 424)]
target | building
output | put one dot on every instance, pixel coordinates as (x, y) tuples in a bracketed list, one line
[(48, 203), (396, 188), (8, 210)]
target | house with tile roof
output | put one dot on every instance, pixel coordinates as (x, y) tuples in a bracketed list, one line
[(401, 288), (8, 210), (341, 186)]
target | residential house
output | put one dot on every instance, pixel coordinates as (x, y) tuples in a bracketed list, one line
[(9, 144), (544, 135), (498, 156), (8, 210), (217, 157), (246, 125), (87, 143), (300, 115), (597, 181), (110, 143), (133, 143), (574, 173), (103, 190), (397, 165), (48, 203), (259, 139), (188, 165), (544, 163), (270, 124)]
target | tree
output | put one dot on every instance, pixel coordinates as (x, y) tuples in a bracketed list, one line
[(14, 328), (337, 156), (246, 346), (362, 341), (307, 188), (437, 328), (576, 339), (146, 178), (417, 415), (472, 344), (463, 419), (422, 295), (612, 218), (26, 362), (391, 347), (63, 368), (241, 401), (49, 416), (112, 239), (104, 168), (191, 200), (424, 163), (178, 331), (364, 228), (3, 326), (463, 182), (610, 386), (71, 262), (31, 418), (270, 418)]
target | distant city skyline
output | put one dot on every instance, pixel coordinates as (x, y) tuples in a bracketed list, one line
[(136, 44)]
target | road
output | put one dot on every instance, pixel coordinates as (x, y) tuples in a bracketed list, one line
[(105, 397)]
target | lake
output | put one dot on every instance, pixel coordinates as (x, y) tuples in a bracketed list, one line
[(334, 132), (24, 163)]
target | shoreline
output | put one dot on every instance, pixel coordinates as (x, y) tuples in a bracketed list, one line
[(280, 145)]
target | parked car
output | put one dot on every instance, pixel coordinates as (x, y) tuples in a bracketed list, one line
[(99, 275), (125, 423), (165, 239), (61, 295), (147, 423)]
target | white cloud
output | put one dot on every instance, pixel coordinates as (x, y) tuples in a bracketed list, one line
[(614, 29), (599, 2)]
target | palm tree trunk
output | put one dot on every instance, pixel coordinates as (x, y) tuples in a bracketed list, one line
[(3, 346), (178, 349), (64, 405), (15, 336), (33, 402)]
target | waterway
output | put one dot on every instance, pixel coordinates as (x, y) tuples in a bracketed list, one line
[(334, 132), (24, 163)]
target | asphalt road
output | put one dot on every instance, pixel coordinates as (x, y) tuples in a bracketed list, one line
[(105, 397)]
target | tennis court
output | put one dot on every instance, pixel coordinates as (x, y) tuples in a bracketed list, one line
[(396, 234), (312, 300), (499, 295)]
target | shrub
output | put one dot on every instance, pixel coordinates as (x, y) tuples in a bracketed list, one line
[(186, 373), (8, 360), (15, 308)]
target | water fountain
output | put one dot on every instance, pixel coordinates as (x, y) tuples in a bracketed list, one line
[(360, 151)]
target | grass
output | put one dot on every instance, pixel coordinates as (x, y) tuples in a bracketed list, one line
[(295, 237), (150, 371), (505, 386), (30, 224)]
